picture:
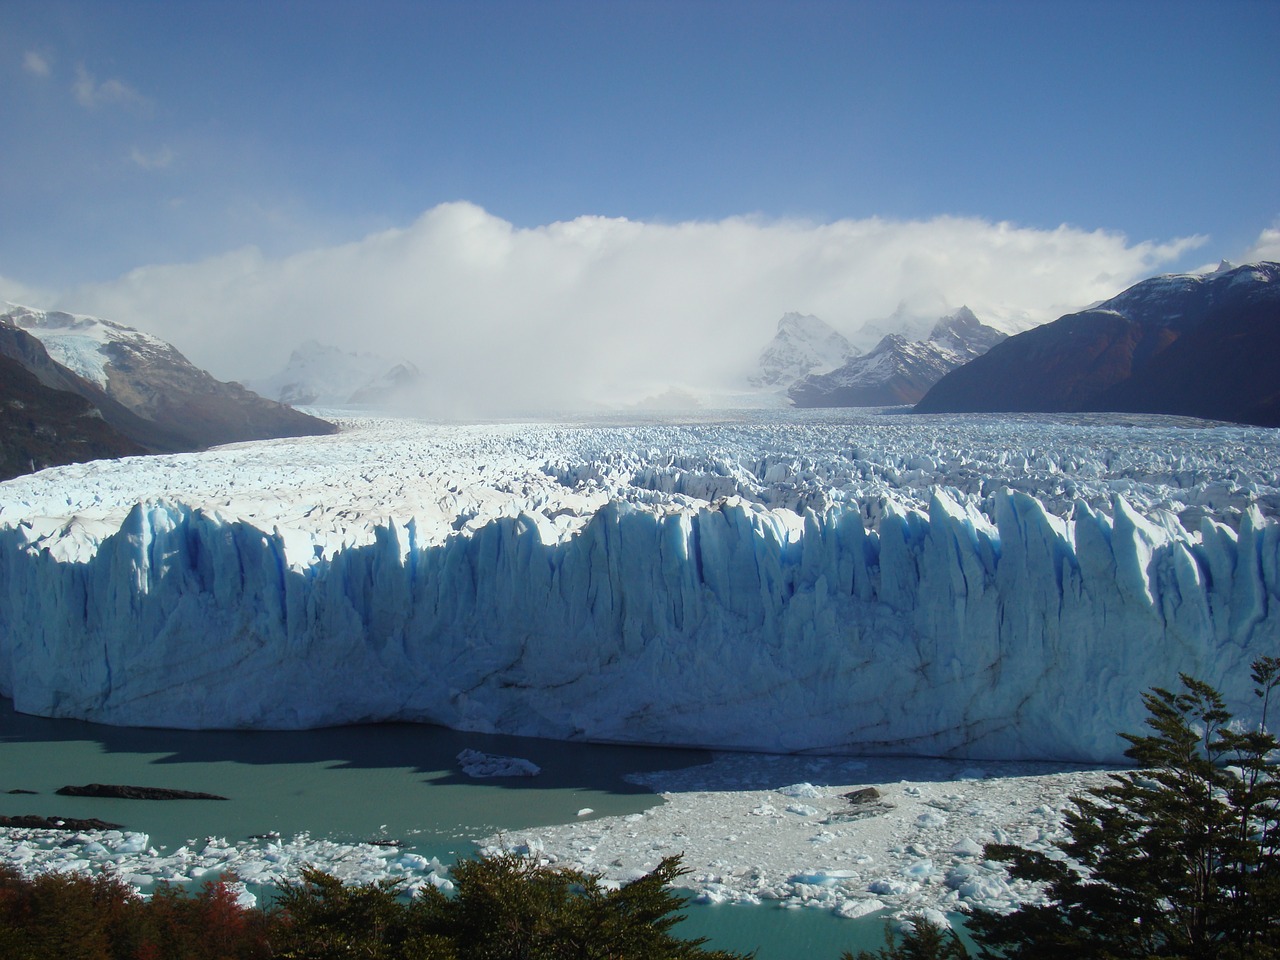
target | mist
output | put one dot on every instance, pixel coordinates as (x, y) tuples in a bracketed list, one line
[(603, 311)]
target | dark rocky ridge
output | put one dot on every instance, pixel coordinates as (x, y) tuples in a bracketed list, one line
[(45, 427), (1190, 345), (33, 822), (125, 792)]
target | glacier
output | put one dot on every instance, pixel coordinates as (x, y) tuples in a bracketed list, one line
[(859, 582)]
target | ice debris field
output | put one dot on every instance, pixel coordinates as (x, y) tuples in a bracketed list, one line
[(985, 587), (752, 829)]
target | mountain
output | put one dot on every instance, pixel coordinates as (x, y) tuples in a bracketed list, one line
[(324, 375), (1201, 345), (142, 386), (898, 371), (43, 427), (802, 345)]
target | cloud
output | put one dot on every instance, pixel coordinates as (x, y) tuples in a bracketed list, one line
[(13, 291), (92, 94), (508, 320), (36, 64), (1266, 247), (155, 160)]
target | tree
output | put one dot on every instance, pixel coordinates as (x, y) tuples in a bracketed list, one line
[(320, 918), (922, 939), (508, 907), (504, 908), (1180, 858)]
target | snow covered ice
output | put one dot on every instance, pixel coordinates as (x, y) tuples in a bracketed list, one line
[(849, 582), (915, 849)]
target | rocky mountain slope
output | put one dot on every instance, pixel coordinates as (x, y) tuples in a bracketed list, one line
[(898, 371), (1202, 345), (143, 387), (43, 427)]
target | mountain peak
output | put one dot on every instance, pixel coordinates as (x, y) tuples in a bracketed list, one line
[(803, 344), (326, 375), (899, 370)]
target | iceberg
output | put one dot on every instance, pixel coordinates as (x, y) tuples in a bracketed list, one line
[(949, 586)]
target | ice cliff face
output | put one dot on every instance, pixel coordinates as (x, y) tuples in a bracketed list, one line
[(842, 584)]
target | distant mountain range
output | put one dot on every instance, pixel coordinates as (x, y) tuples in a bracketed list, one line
[(802, 345), (144, 395), (898, 371), (1200, 345), (318, 374)]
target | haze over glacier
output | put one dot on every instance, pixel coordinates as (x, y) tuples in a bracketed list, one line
[(969, 586)]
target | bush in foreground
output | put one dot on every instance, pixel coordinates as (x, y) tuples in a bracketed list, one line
[(504, 908), (1180, 858)]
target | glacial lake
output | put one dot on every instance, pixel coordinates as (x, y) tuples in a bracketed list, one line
[(397, 781)]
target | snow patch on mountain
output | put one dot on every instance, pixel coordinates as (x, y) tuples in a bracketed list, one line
[(81, 343)]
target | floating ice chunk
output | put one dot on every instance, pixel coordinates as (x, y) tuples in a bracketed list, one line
[(801, 791), (967, 847), (802, 809), (244, 898), (133, 843), (918, 870), (892, 887), (412, 861), (854, 909), (483, 765), (824, 878), (930, 820)]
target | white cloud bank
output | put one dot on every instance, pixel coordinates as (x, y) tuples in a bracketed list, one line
[(508, 320), (1267, 246)]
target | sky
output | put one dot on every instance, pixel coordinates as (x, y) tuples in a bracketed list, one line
[(542, 197)]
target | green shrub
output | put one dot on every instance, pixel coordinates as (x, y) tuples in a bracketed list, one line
[(1180, 858)]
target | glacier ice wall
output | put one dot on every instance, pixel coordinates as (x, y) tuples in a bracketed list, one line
[(1006, 633)]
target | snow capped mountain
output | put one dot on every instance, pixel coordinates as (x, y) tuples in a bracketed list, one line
[(1204, 345), (898, 371), (142, 385), (802, 345), (88, 345), (318, 374), (829, 581)]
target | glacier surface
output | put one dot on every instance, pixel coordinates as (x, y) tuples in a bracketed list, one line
[(982, 586)]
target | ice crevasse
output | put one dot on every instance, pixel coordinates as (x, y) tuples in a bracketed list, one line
[(945, 631)]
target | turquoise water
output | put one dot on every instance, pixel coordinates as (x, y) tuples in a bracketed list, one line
[(398, 781)]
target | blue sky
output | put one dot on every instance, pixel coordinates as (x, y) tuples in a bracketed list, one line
[(140, 134)]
